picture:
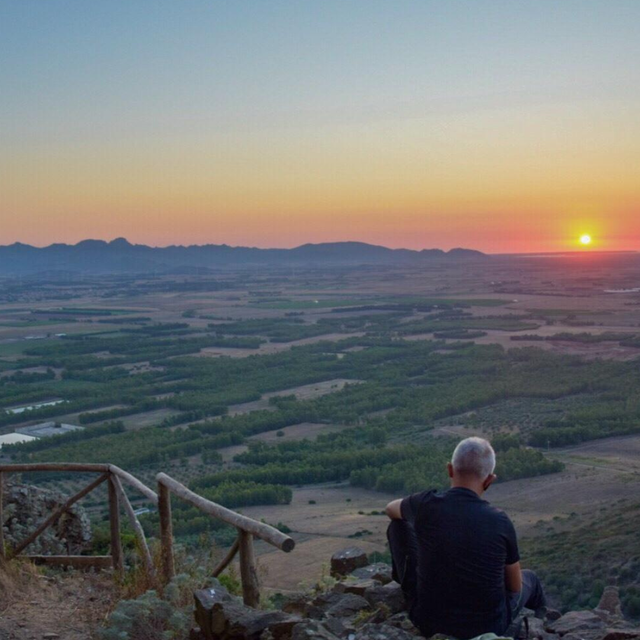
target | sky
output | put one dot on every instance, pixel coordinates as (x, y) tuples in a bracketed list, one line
[(503, 125)]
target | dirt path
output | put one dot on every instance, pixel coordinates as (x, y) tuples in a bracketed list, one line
[(70, 605)]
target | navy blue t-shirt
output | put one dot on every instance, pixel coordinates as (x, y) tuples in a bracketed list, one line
[(463, 546)]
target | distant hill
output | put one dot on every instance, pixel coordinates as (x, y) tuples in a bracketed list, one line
[(120, 256)]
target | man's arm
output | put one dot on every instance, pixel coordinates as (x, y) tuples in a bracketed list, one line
[(393, 509), (512, 577)]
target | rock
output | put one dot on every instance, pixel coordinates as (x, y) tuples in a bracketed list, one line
[(378, 571), (575, 621), (573, 636), (537, 629), (296, 604), (390, 596), (347, 560), (609, 608), (26, 504), (382, 632), (339, 627), (237, 622), (283, 628), (355, 586), (317, 607), (205, 599), (621, 634), (402, 621), (348, 605), (221, 617), (553, 614), (49, 635), (311, 630)]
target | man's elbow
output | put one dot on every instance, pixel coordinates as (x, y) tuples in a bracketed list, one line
[(513, 577), (393, 510)]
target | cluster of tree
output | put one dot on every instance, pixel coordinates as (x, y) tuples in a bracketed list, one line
[(583, 337), (190, 521), (611, 419), (245, 493), (126, 320), (351, 455), (28, 377), (459, 334), (452, 322), (423, 468)]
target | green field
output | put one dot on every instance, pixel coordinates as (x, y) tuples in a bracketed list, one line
[(320, 303)]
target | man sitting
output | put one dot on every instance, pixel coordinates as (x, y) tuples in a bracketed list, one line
[(456, 556)]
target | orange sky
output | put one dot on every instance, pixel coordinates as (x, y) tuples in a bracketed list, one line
[(308, 133)]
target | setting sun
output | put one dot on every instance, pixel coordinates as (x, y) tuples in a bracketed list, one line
[(585, 239)]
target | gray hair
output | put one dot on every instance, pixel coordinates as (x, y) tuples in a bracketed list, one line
[(474, 456)]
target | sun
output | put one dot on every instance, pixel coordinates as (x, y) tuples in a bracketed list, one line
[(585, 239)]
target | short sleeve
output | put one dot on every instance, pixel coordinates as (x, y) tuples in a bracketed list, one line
[(412, 506), (513, 555)]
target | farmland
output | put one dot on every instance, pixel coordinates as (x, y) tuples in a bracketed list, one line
[(311, 399)]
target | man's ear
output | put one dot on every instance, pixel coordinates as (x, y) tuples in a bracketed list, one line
[(450, 469), (489, 480)]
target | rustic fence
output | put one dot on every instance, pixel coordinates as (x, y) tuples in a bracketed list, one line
[(248, 529)]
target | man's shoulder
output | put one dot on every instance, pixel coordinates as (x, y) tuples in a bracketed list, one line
[(415, 504), (498, 514), (425, 496)]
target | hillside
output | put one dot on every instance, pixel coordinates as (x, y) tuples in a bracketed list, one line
[(358, 602)]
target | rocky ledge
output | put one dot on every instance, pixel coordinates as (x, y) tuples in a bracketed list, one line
[(366, 604)]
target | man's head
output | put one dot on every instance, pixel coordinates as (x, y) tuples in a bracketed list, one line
[(472, 464)]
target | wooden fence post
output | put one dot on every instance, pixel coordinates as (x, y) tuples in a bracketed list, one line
[(166, 532), (114, 523), (135, 525), (2, 554), (248, 570), (226, 561)]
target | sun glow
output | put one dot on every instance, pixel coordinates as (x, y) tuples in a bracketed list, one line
[(585, 239)]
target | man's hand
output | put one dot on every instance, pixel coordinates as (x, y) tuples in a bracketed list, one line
[(512, 577), (393, 509)]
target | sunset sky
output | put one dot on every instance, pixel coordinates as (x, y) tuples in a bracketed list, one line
[(502, 125)]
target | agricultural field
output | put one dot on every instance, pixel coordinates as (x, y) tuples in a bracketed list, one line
[(311, 399)]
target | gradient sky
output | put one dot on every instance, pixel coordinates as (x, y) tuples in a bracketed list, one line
[(502, 125)]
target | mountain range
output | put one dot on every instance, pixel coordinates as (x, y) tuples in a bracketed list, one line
[(120, 256)]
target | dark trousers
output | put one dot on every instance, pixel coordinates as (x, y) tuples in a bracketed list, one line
[(531, 596), (403, 545)]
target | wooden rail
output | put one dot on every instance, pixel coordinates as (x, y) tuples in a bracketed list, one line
[(248, 529), (114, 476)]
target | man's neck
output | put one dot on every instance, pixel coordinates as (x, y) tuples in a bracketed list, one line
[(476, 487)]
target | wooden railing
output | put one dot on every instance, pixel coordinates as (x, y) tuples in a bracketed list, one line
[(248, 529), (114, 477)]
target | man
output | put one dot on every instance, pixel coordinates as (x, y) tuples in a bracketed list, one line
[(456, 556)]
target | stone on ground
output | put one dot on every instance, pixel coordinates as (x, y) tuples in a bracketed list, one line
[(347, 560)]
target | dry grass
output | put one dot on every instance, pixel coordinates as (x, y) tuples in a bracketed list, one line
[(18, 579)]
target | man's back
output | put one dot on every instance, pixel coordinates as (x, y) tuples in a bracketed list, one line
[(463, 546)]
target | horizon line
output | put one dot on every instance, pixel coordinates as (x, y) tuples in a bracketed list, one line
[(362, 242)]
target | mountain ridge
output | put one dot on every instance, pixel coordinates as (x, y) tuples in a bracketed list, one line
[(121, 256)]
